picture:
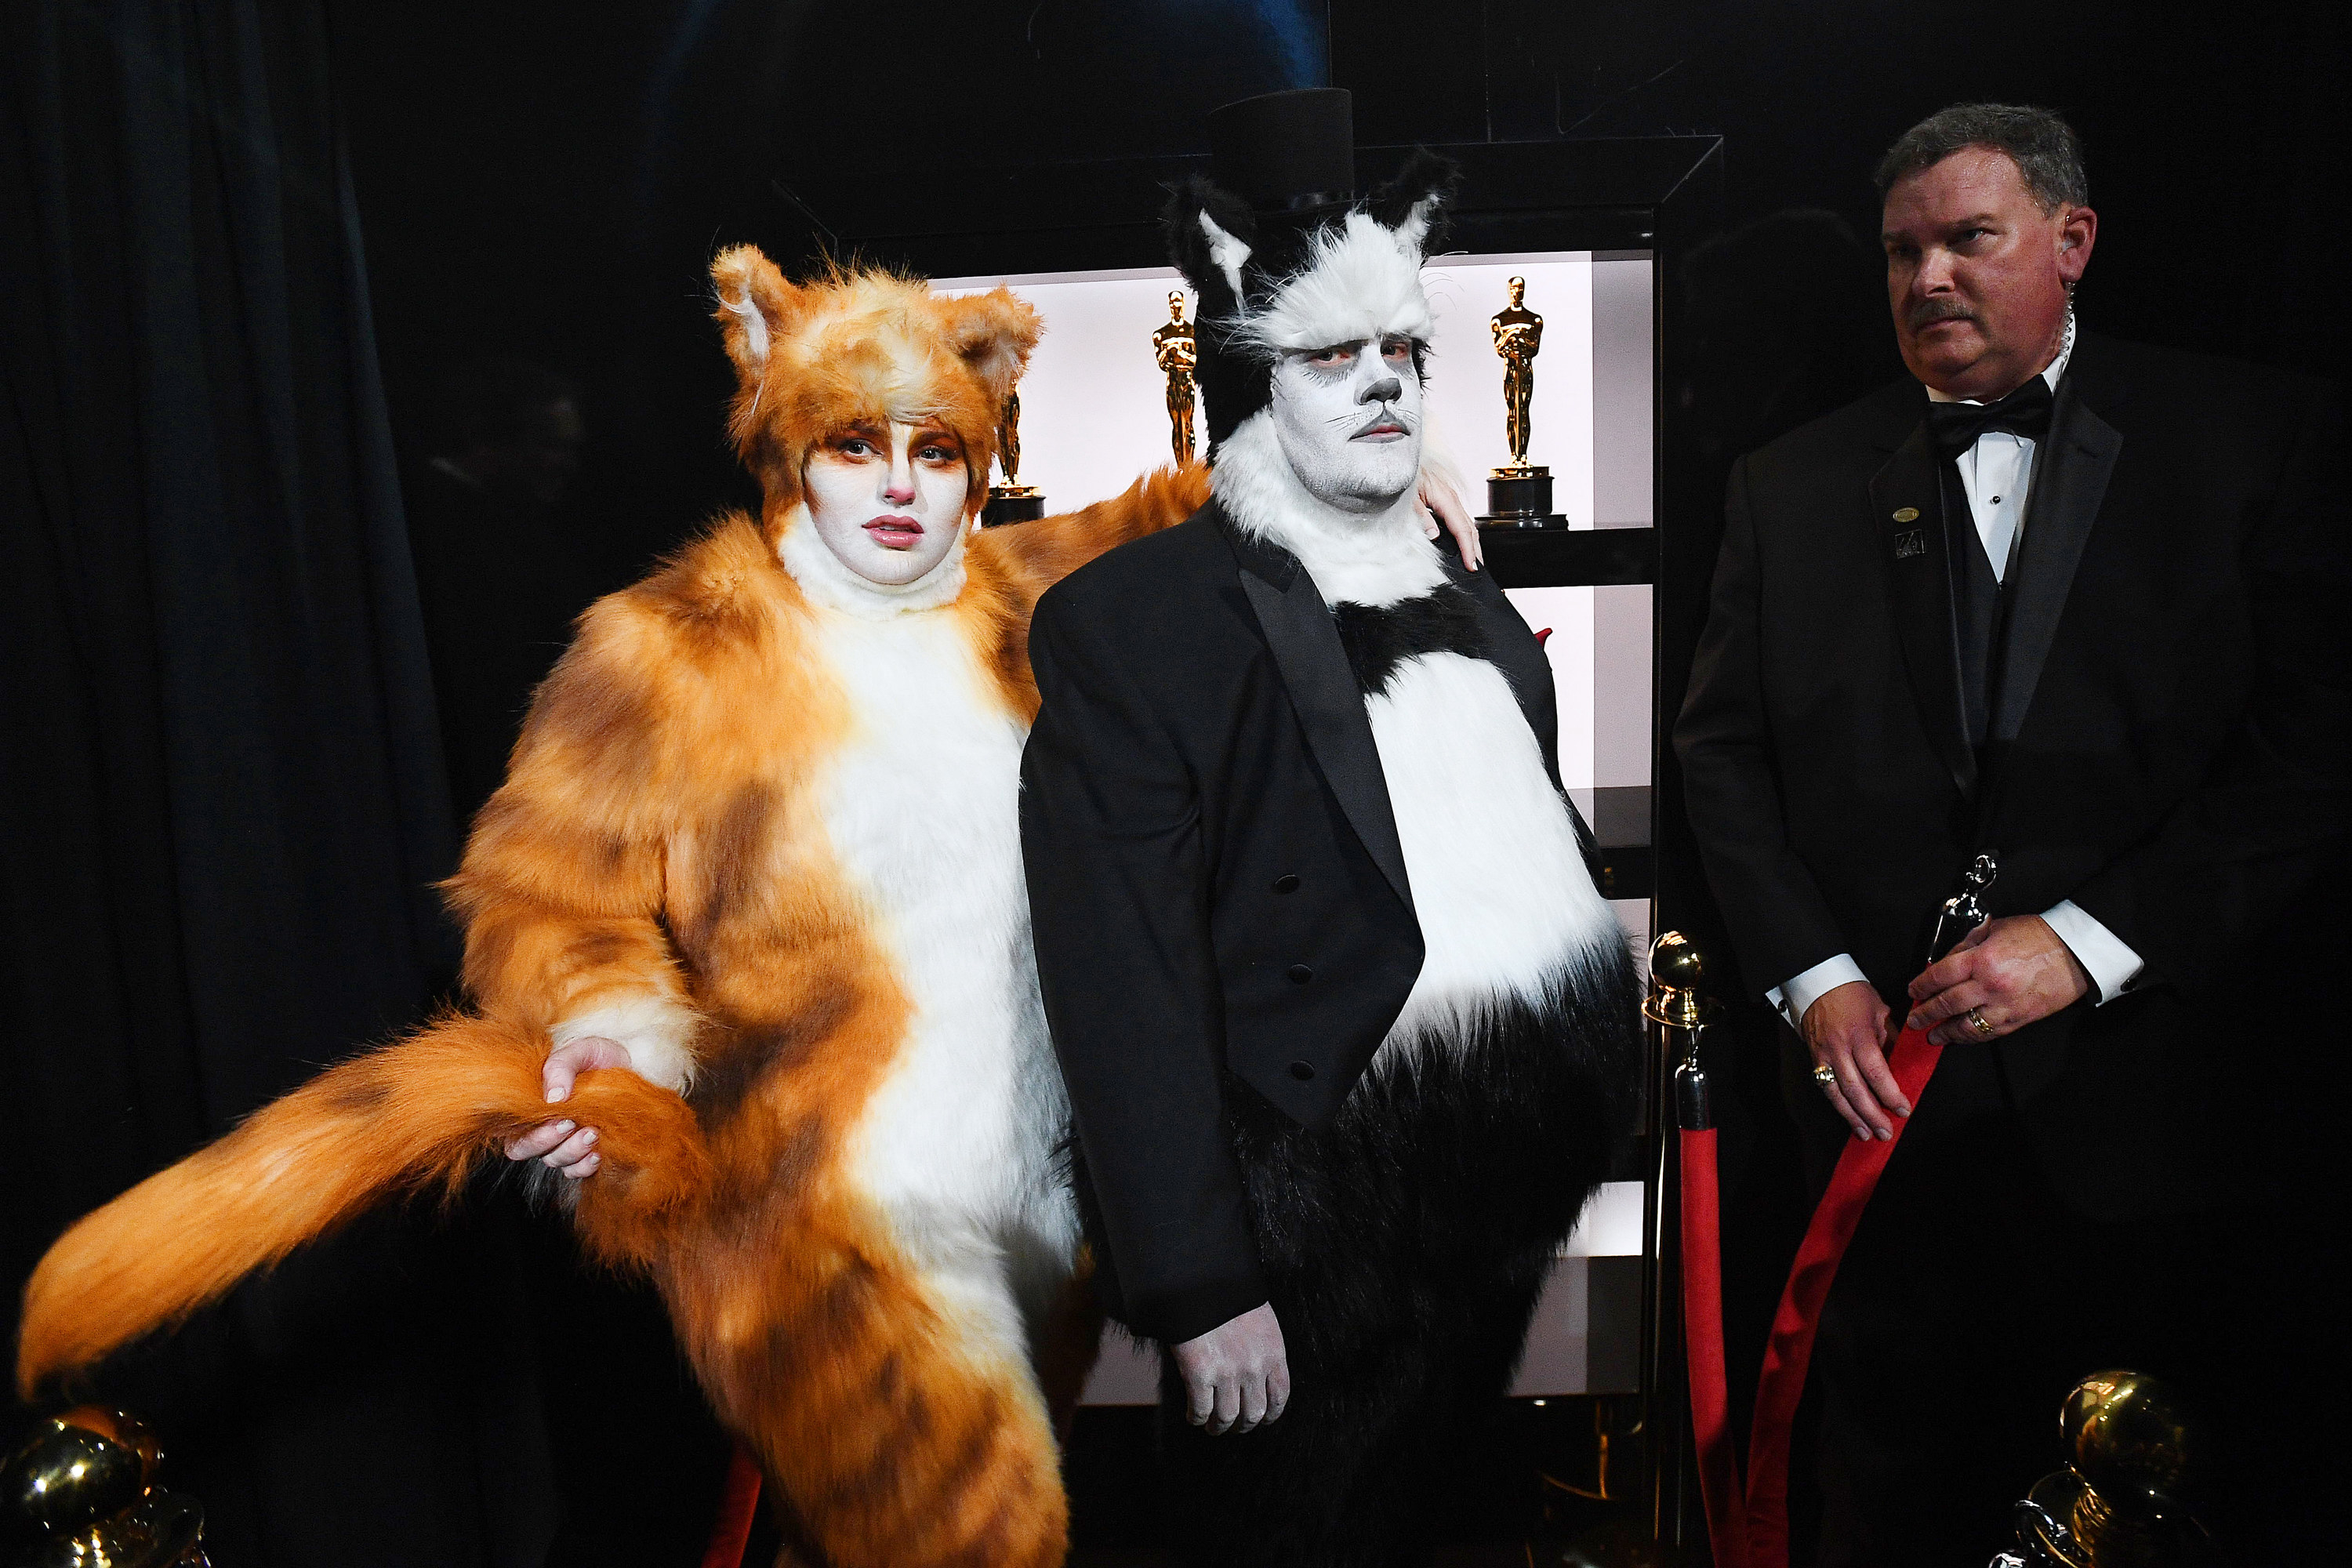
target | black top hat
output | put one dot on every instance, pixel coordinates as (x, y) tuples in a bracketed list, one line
[(1286, 152)]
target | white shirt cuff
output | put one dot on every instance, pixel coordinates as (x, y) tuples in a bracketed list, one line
[(1791, 997), (2113, 967)]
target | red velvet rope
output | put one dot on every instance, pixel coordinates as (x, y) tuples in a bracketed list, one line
[(1760, 1539), (738, 1501), (1718, 1466)]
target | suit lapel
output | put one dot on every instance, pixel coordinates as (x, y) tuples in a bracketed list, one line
[(2067, 488), (1906, 500), (1305, 642)]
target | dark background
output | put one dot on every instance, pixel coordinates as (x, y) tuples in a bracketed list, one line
[(534, 182), (244, 243)]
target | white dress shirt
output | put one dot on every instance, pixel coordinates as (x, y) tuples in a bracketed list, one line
[(1995, 473)]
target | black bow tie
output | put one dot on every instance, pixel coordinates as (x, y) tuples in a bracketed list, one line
[(1955, 426)]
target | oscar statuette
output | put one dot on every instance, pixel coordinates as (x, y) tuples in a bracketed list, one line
[(1177, 349), (1518, 494), (1011, 501)]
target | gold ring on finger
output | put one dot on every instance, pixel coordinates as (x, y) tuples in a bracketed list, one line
[(1825, 1075), (1977, 1021)]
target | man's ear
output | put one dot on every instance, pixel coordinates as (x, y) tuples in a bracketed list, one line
[(752, 304), (1414, 203), (992, 334), (2078, 231)]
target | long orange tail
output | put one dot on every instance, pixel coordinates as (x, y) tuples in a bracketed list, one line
[(413, 1116)]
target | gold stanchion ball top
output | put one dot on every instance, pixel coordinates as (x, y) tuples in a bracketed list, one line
[(1678, 996), (77, 1467), (1677, 963), (2126, 1437)]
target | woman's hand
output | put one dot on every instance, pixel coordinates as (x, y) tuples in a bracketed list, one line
[(1440, 506), (565, 1146)]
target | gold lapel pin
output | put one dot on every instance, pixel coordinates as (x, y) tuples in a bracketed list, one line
[(1906, 514)]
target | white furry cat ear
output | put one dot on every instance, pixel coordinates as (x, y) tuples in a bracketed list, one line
[(1225, 252), (752, 304), (1210, 237), (1414, 230)]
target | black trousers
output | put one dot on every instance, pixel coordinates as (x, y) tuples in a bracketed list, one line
[(1972, 1299)]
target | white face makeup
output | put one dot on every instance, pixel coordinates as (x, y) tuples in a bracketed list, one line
[(1348, 421), (889, 503)]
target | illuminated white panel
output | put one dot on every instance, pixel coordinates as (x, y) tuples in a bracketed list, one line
[(1093, 403), (1567, 613), (1465, 378)]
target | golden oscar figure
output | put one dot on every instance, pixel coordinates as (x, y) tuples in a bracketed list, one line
[(1177, 349), (1518, 494), (1011, 501)]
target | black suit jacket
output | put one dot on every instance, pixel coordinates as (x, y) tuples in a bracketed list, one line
[(1215, 880), (2168, 740)]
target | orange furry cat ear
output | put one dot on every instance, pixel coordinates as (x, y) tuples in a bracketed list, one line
[(752, 305), (992, 334)]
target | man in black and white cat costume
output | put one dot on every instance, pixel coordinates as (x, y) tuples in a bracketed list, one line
[(1346, 1024)]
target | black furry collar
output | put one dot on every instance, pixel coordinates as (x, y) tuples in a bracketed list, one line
[(1379, 639)]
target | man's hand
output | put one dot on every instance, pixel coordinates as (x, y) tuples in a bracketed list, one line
[(1237, 1374), (1845, 1029), (2011, 972), (1441, 504), (561, 1145)]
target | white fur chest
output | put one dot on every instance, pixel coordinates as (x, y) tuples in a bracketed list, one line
[(1498, 881), (921, 807)]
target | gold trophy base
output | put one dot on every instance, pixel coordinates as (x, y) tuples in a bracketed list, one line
[(1518, 495), (1012, 503)]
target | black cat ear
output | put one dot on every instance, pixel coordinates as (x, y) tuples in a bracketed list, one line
[(1210, 231), (1414, 203)]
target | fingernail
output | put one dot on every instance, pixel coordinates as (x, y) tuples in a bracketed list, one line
[(590, 1137), (563, 1126), (553, 1095), (1904, 1110)]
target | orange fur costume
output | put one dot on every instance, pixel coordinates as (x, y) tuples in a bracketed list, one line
[(851, 1209)]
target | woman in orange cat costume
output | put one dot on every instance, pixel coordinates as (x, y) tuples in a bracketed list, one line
[(758, 843)]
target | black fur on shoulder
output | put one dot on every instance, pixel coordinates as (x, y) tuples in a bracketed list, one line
[(1379, 637), (1426, 176)]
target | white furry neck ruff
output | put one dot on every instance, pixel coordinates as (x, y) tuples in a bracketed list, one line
[(1354, 558), (829, 582)]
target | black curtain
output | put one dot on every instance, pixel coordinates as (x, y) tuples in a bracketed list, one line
[(224, 802)]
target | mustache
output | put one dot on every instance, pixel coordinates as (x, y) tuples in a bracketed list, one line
[(1928, 312), (1386, 413)]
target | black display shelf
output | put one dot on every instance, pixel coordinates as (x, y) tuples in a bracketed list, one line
[(1570, 557), (1619, 817)]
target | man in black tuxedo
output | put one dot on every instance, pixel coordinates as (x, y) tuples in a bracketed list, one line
[(1346, 1024), (2076, 603)]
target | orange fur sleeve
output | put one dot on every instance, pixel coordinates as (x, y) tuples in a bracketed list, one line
[(1031, 557), (562, 886)]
